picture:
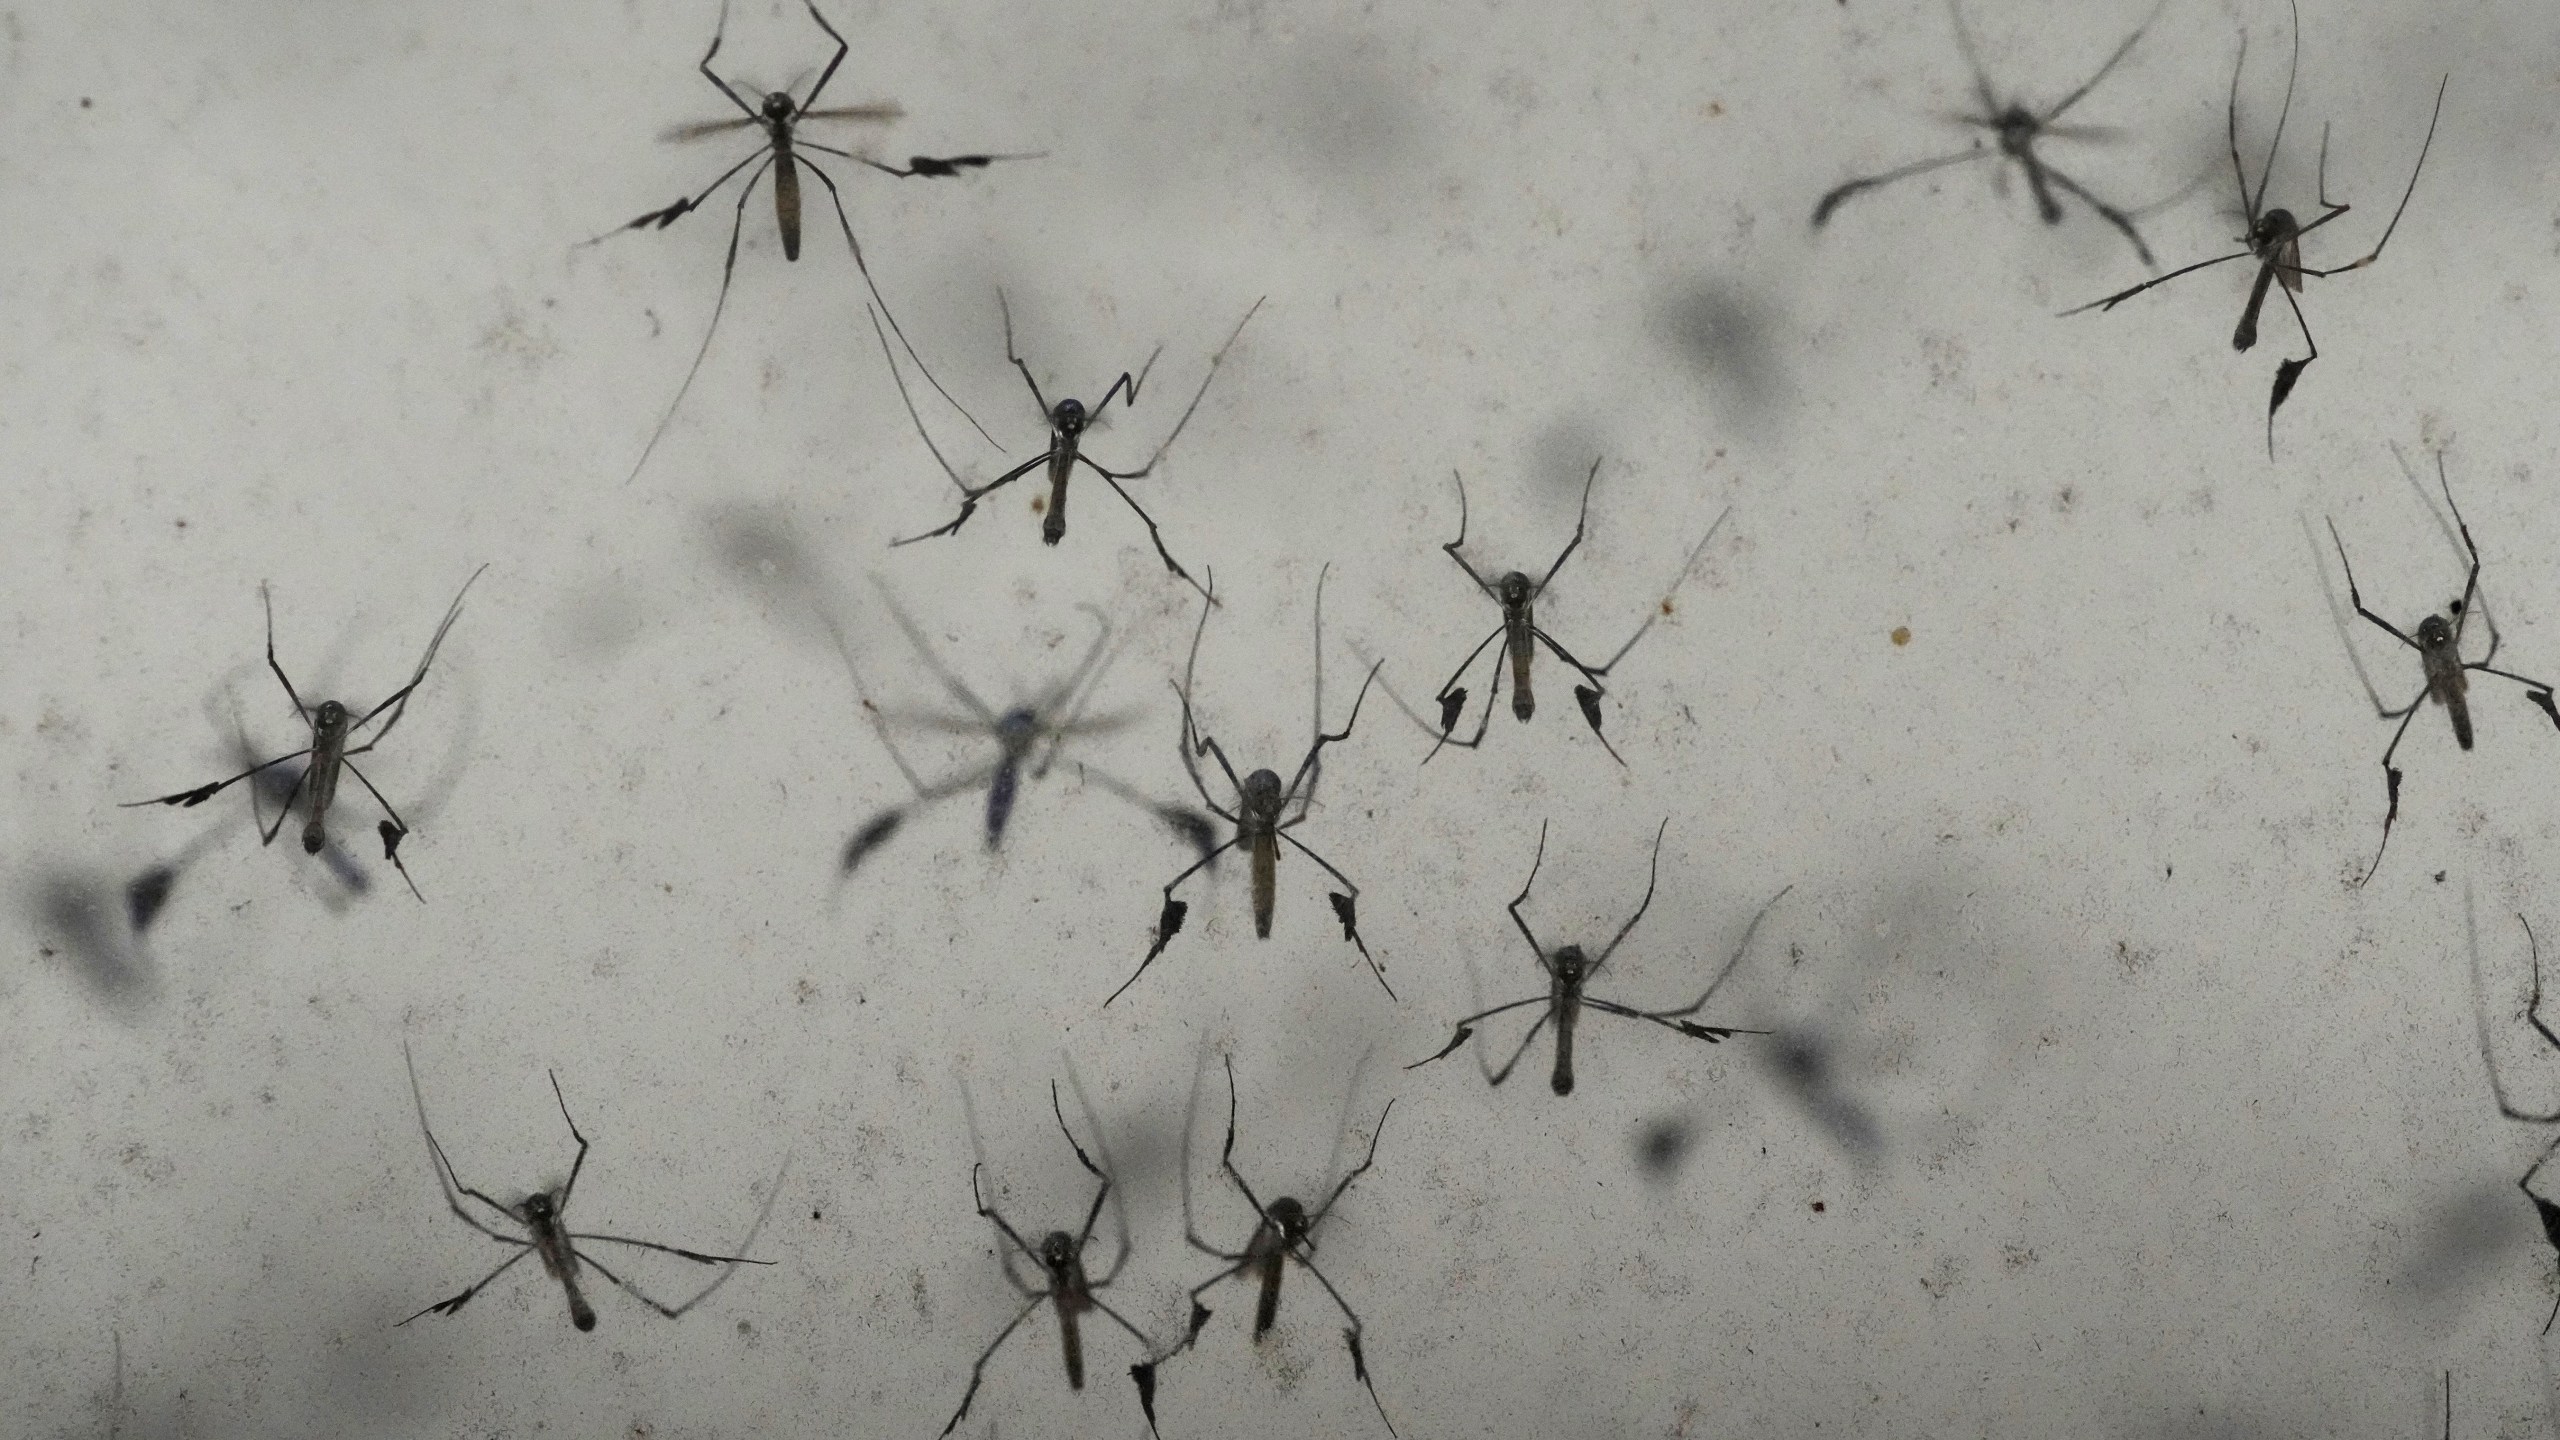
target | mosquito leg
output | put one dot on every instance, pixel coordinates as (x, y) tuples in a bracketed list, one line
[(1196, 396), (2288, 371), (2357, 599), (447, 1307), (1653, 876), (394, 830), (446, 1180), (1143, 1374), (2391, 786), (189, 799), (1351, 1338), (1739, 950), (268, 600), (1832, 199), (1152, 532), (978, 1371), (1466, 1030), (398, 701), (728, 272), (845, 224), (1169, 923), (1496, 1077), (2107, 212), (267, 834), (837, 59), (1361, 1169)]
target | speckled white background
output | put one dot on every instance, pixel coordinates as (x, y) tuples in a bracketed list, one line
[(2181, 1135)]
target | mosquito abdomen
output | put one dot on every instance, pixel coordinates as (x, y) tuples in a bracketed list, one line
[(1567, 1010), (2449, 687), (1266, 1311), (1000, 792), (1523, 647), (1266, 881), (1053, 525), (2247, 334), (1071, 1339), (786, 200)]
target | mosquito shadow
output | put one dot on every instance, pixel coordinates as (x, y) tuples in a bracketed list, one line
[(1730, 338), (96, 922)]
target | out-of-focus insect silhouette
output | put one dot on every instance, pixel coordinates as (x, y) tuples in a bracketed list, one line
[(2015, 127), (1027, 736)]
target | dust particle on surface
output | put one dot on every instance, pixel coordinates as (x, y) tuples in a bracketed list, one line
[(1039, 503), (1901, 634), (1817, 1207)]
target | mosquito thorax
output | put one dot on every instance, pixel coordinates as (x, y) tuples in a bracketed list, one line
[(1017, 728), (2273, 229), (1514, 588), (2435, 632), (2017, 127), (537, 1209), (1262, 793), (780, 108), (1057, 1251), (1068, 417), (1571, 964), (330, 715)]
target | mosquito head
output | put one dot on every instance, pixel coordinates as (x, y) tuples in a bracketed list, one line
[(1291, 1217), (2273, 230), (1570, 964), (1515, 589), (1069, 417), (1057, 1252), (1017, 728), (779, 107), (2435, 633), (1262, 794)]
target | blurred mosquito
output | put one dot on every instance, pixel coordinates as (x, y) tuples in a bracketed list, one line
[(1261, 803), (1520, 635), (1060, 1257), (2274, 237), (333, 727), (544, 1216), (2017, 129), (2439, 646), (1028, 737), (1283, 1231), (2549, 1212), (1569, 969), (779, 116), (1068, 421)]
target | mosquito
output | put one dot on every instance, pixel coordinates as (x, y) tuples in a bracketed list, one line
[(784, 152), (333, 729), (1028, 737), (1569, 969), (1283, 1231), (1068, 419), (1518, 597), (2547, 1210), (1261, 803), (2274, 237), (2439, 646), (544, 1216), (2016, 128), (1060, 1257)]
